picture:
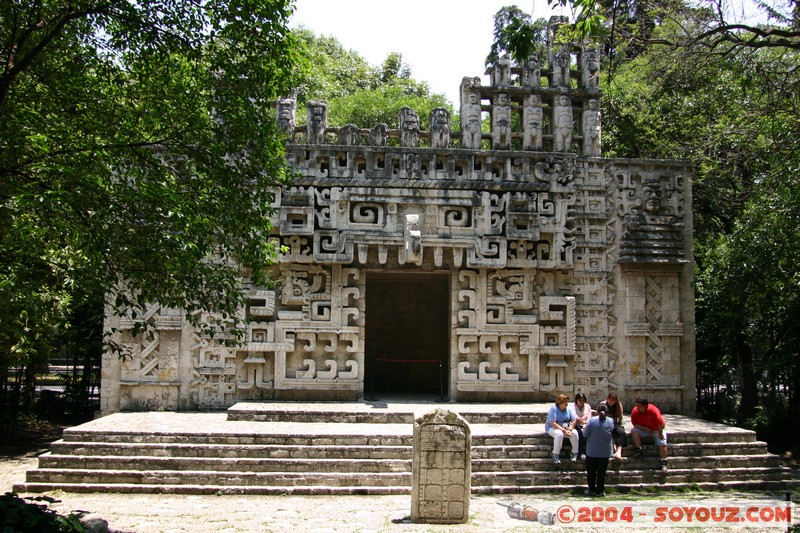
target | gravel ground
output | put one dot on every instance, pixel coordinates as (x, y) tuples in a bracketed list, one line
[(185, 513)]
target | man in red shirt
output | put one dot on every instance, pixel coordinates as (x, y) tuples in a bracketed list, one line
[(648, 422)]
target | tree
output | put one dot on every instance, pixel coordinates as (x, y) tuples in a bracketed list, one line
[(691, 81), (517, 35), (358, 93), (729, 106), (334, 71), (137, 154)]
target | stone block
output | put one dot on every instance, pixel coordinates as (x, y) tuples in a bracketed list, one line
[(441, 468)]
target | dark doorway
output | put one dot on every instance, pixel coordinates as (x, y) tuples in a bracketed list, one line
[(407, 334)]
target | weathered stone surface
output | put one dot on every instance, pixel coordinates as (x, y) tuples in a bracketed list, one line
[(560, 271), (175, 453), (441, 468)]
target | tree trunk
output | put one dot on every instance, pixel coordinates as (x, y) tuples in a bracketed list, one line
[(747, 380)]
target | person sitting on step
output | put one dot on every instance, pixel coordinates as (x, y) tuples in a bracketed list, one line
[(560, 423), (647, 422), (583, 412), (614, 409)]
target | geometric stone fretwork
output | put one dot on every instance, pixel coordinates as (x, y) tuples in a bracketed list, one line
[(326, 348), (654, 362), (568, 271)]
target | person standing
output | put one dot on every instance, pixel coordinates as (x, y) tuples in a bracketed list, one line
[(599, 433), (647, 422), (560, 423), (583, 412)]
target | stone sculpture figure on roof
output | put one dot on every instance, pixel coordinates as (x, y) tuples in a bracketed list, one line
[(317, 121), (590, 67), (471, 122), (409, 127), (591, 129), (440, 127), (379, 134), (562, 124), (501, 123), (561, 65), (531, 72), (286, 114), (501, 72), (532, 117)]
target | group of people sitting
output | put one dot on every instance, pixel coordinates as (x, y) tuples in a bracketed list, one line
[(600, 438)]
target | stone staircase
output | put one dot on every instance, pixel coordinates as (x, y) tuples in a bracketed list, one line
[(366, 448)]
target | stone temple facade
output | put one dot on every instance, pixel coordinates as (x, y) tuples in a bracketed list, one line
[(506, 260)]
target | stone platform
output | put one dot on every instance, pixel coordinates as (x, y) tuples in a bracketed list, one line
[(365, 448)]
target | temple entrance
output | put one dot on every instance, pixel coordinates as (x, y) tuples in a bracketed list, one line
[(407, 348)]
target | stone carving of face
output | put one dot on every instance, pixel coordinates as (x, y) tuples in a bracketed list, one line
[(562, 57), (592, 61), (651, 196), (533, 100), (316, 114)]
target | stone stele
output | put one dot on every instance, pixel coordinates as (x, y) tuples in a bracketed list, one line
[(441, 468)]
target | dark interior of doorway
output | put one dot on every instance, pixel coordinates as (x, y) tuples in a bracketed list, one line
[(407, 327)]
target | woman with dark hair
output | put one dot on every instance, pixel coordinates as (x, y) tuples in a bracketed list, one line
[(614, 412), (583, 412), (599, 447)]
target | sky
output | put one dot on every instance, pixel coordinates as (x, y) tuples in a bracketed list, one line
[(441, 40)]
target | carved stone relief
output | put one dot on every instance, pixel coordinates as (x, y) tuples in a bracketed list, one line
[(568, 272)]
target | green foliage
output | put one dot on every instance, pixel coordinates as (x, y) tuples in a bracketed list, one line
[(731, 111), (358, 93), (590, 20), (517, 35), (137, 153), (333, 71), (19, 515), (382, 104)]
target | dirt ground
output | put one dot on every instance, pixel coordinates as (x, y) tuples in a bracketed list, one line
[(310, 514)]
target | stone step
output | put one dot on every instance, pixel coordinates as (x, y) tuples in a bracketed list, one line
[(55, 461), (206, 453), (311, 490), (301, 434), (481, 482), (282, 434), (212, 477), (577, 477), (138, 488), (694, 449), (318, 451), (383, 418), (737, 485), (650, 463), (219, 464), (377, 412), (120, 449)]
